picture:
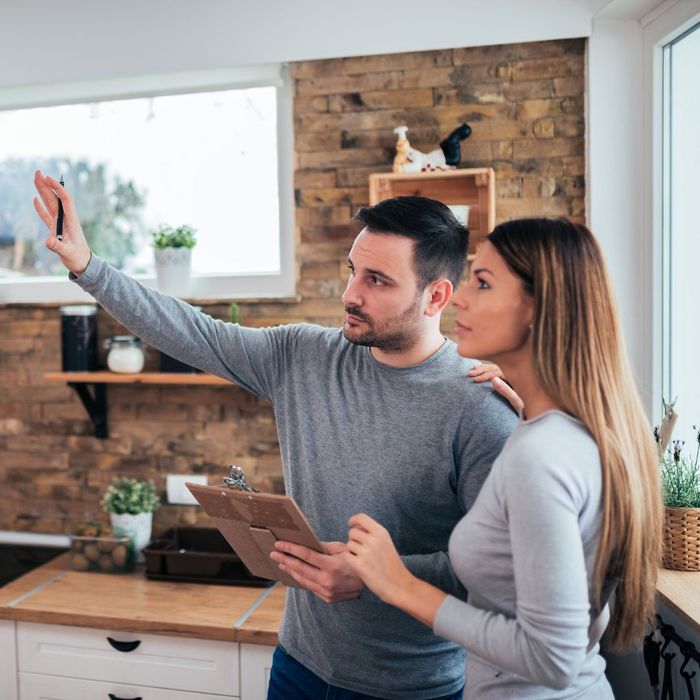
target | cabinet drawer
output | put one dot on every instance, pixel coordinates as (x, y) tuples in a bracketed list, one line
[(195, 665), (34, 686)]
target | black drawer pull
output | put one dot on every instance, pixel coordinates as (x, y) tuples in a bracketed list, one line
[(116, 697), (124, 646)]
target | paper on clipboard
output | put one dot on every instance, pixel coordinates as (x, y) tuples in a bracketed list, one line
[(253, 522)]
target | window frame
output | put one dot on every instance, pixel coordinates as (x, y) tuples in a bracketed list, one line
[(660, 28), (47, 289)]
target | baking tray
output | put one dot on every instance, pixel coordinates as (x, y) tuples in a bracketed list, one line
[(197, 555)]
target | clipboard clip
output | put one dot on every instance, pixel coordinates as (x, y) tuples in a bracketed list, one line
[(236, 480)]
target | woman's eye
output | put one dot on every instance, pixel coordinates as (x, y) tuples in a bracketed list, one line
[(482, 284)]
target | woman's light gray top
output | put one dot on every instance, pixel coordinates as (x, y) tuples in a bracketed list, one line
[(526, 553)]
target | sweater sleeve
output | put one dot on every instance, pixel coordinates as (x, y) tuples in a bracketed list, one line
[(546, 641), (250, 357)]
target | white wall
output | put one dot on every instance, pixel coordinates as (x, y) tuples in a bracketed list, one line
[(615, 184), (70, 40)]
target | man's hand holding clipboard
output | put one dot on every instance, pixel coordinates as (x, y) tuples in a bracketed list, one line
[(274, 540)]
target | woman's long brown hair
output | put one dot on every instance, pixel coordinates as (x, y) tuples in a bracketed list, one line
[(581, 363)]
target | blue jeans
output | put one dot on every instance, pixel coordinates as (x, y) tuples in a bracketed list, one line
[(290, 680)]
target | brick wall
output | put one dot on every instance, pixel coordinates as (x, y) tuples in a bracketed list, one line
[(525, 104)]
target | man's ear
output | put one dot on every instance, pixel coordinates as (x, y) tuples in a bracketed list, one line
[(439, 294)]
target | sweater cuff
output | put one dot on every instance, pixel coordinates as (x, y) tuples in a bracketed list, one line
[(90, 274)]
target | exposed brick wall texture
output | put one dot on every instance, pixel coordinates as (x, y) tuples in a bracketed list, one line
[(525, 103)]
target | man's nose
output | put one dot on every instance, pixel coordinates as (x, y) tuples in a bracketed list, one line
[(351, 296)]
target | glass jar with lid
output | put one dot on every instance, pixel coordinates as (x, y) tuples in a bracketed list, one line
[(126, 354)]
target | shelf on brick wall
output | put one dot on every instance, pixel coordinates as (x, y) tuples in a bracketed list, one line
[(106, 377), (475, 187), (96, 402)]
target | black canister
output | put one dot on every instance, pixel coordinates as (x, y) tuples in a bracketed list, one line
[(79, 338)]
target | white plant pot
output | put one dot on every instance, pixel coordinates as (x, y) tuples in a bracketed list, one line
[(174, 271), (137, 527)]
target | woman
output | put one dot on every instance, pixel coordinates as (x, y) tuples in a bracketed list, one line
[(571, 512)]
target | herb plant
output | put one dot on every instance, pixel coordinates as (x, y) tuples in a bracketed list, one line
[(168, 237), (680, 475), (126, 495)]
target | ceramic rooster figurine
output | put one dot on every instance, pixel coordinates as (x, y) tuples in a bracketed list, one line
[(410, 160)]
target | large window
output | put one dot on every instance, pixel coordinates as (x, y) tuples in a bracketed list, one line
[(681, 229), (211, 158)]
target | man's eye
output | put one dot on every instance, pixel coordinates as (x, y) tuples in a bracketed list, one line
[(377, 281)]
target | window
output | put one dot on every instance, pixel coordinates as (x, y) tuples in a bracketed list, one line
[(209, 155), (680, 231)]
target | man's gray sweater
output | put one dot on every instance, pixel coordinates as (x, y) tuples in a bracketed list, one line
[(409, 446)]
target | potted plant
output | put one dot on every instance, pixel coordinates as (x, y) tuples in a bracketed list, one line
[(234, 313), (173, 257), (130, 504), (680, 479)]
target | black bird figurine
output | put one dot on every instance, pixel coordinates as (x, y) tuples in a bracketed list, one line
[(450, 145), (411, 160)]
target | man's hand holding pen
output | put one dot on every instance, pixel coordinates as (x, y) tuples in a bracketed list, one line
[(73, 248)]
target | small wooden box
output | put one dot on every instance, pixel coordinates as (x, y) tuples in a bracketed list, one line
[(475, 187)]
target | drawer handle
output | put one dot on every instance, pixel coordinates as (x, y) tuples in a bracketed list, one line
[(123, 646), (116, 697)]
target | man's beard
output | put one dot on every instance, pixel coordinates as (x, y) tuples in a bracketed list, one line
[(395, 334)]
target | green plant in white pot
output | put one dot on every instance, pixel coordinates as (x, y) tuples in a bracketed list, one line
[(130, 504), (173, 258)]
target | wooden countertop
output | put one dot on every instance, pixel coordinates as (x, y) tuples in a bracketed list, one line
[(262, 624), (680, 590), (55, 594)]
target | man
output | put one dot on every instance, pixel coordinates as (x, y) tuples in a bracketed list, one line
[(377, 417)]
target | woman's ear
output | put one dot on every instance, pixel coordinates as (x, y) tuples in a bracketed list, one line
[(529, 309), (440, 293)]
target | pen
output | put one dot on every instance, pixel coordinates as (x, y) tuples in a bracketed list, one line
[(59, 220)]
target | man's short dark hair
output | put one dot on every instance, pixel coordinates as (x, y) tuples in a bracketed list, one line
[(441, 243)]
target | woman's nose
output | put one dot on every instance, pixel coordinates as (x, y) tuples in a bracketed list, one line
[(459, 298)]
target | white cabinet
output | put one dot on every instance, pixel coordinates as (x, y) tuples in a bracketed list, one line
[(8, 660), (129, 660), (34, 686), (256, 661), (57, 662)]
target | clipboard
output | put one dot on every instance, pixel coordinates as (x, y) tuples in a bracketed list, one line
[(252, 522)]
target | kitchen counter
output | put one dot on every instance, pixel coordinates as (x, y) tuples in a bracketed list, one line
[(55, 594), (680, 590)]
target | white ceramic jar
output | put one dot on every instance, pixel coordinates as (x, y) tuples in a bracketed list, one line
[(126, 354)]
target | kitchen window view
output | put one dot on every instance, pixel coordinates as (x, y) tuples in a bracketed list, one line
[(681, 243), (206, 159)]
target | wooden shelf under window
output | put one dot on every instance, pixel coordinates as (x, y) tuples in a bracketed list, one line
[(106, 377), (95, 401)]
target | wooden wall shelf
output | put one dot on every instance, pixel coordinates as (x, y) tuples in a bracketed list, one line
[(95, 402), (106, 377), (475, 187)]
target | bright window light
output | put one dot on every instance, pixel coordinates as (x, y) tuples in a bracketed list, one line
[(681, 281), (206, 159)]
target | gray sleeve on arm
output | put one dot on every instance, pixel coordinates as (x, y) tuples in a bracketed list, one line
[(546, 642), (435, 569), (251, 357), (479, 442)]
